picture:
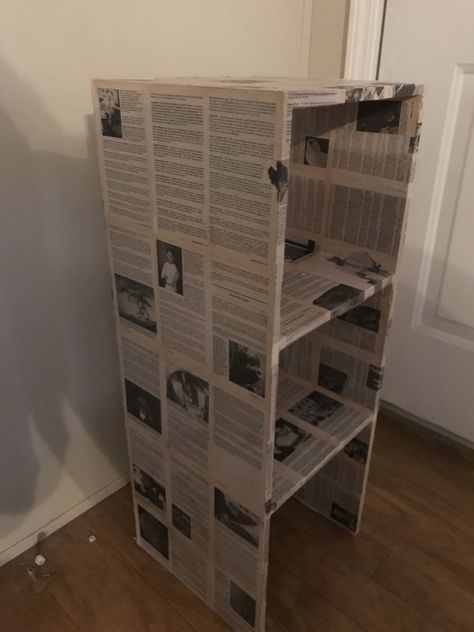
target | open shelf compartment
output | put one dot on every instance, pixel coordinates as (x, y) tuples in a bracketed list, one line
[(311, 428), (320, 287)]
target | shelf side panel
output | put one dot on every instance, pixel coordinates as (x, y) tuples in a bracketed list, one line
[(195, 186)]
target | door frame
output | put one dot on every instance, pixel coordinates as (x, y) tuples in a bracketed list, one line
[(364, 39)]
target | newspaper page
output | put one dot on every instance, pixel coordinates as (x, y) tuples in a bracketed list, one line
[(124, 153), (182, 304), (132, 259), (142, 389), (177, 126)]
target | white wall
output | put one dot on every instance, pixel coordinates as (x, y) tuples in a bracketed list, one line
[(61, 434), (328, 37)]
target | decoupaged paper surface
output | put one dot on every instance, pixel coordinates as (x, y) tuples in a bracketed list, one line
[(254, 228)]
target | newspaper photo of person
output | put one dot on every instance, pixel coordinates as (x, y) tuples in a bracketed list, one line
[(246, 368), (287, 438), (170, 267), (136, 302), (243, 604), (146, 486), (190, 392), (316, 151), (143, 405), (153, 532), (235, 517), (110, 116), (181, 521), (315, 408), (375, 377)]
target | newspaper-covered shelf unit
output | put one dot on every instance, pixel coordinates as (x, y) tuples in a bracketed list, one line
[(254, 228)]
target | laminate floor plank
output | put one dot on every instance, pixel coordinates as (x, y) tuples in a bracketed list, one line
[(361, 552), (296, 605), (416, 580), (103, 520), (408, 518), (358, 596), (399, 455)]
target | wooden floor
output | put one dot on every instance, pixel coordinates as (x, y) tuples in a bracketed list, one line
[(411, 568)]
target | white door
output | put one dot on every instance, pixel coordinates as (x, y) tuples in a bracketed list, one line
[(430, 363)]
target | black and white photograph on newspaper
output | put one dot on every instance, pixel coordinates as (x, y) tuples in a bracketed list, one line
[(181, 521), (287, 438), (316, 151), (170, 267), (149, 488), (315, 408), (188, 391), (357, 450), (110, 115), (136, 302), (247, 368), (366, 92), (375, 377), (236, 517), (153, 531), (332, 379), (243, 604), (379, 116), (362, 265), (363, 316), (143, 405), (344, 516), (337, 296)]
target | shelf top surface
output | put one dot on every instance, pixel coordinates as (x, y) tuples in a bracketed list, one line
[(321, 286), (342, 89)]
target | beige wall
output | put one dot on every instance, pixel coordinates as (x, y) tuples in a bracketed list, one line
[(328, 37), (61, 430)]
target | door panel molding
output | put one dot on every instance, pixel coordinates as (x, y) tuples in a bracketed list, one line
[(439, 306), (456, 303)]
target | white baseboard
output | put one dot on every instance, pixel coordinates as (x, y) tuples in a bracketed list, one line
[(428, 430), (20, 547)]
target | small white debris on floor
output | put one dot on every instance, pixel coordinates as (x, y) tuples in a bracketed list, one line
[(40, 560), (92, 538)]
